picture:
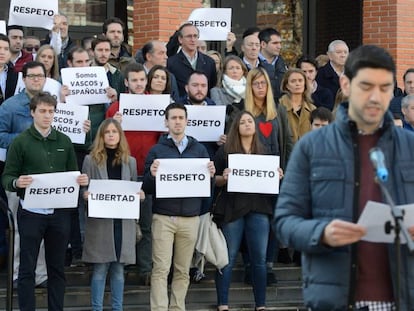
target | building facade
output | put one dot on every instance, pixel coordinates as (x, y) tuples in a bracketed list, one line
[(307, 26)]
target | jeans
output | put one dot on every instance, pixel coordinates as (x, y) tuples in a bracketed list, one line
[(255, 228), (98, 281)]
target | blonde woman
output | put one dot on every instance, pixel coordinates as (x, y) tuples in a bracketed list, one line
[(47, 56), (109, 243)]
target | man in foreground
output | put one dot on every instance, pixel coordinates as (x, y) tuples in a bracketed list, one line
[(54, 153), (332, 165)]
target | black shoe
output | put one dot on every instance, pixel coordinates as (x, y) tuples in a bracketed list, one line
[(247, 277), (144, 279), (42, 285), (271, 279), (297, 259), (77, 262), (284, 256)]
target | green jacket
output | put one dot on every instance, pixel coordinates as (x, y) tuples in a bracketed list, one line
[(31, 153)]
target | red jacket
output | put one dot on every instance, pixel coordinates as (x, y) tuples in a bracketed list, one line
[(22, 60), (140, 142)]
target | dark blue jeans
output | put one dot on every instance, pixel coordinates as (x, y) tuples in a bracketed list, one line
[(255, 227), (55, 230)]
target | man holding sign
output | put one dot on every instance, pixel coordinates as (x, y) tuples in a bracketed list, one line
[(54, 153), (175, 220)]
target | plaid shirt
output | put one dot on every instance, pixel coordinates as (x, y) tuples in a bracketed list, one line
[(375, 306)]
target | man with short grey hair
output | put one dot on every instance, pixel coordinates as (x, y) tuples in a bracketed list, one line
[(328, 75), (407, 109)]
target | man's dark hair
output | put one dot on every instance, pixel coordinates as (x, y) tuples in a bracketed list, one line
[(30, 65), (42, 98), (409, 70), (175, 106), (14, 27), (132, 67), (267, 33), (368, 56), (4, 38), (321, 113), (306, 59), (249, 31), (147, 48), (112, 20), (99, 39), (196, 72), (75, 49)]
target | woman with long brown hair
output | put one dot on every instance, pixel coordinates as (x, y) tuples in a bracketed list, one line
[(109, 243), (245, 214), (297, 101)]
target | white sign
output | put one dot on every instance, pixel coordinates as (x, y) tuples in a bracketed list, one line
[(52, 190), (69, 120), (3, 154), (114, 199), (205, 123), (33, 13), (51, 85), (213, 24), (86, 85), (143, 112), (3, 27), (252, 173), (375, 215), (183, 178)]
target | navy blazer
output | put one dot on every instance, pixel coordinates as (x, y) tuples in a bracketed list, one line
[(181, 68), (11, 81), (328, 78)]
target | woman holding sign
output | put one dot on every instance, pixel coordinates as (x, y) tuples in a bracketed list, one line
[(273, 130), (109, 243), (242, 214)]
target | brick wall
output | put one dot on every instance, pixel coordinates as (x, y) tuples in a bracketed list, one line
[(390, 24), (158, 19)]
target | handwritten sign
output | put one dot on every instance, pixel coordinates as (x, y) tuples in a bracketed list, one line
[(86, 85)]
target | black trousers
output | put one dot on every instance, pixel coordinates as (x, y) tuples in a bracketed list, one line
[(55, 230)]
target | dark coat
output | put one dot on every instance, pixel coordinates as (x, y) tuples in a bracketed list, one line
[(322, 97), (166, 149), (11, 81), (181, 68), (321, 184), (328, 78)]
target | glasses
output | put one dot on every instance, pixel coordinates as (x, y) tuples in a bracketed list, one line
[(32, 48), (194, 36), (33, 76), (258, 84)]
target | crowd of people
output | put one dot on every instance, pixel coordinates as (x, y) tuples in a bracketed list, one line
[(270, 108)]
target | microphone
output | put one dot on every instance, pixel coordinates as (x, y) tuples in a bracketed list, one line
[(378, 161)]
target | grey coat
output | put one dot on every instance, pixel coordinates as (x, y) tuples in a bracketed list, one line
[(99, 245)]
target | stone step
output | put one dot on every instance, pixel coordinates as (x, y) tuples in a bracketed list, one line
[(285, 295)]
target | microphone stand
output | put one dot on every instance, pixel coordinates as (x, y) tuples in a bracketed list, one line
[(398, 227)]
